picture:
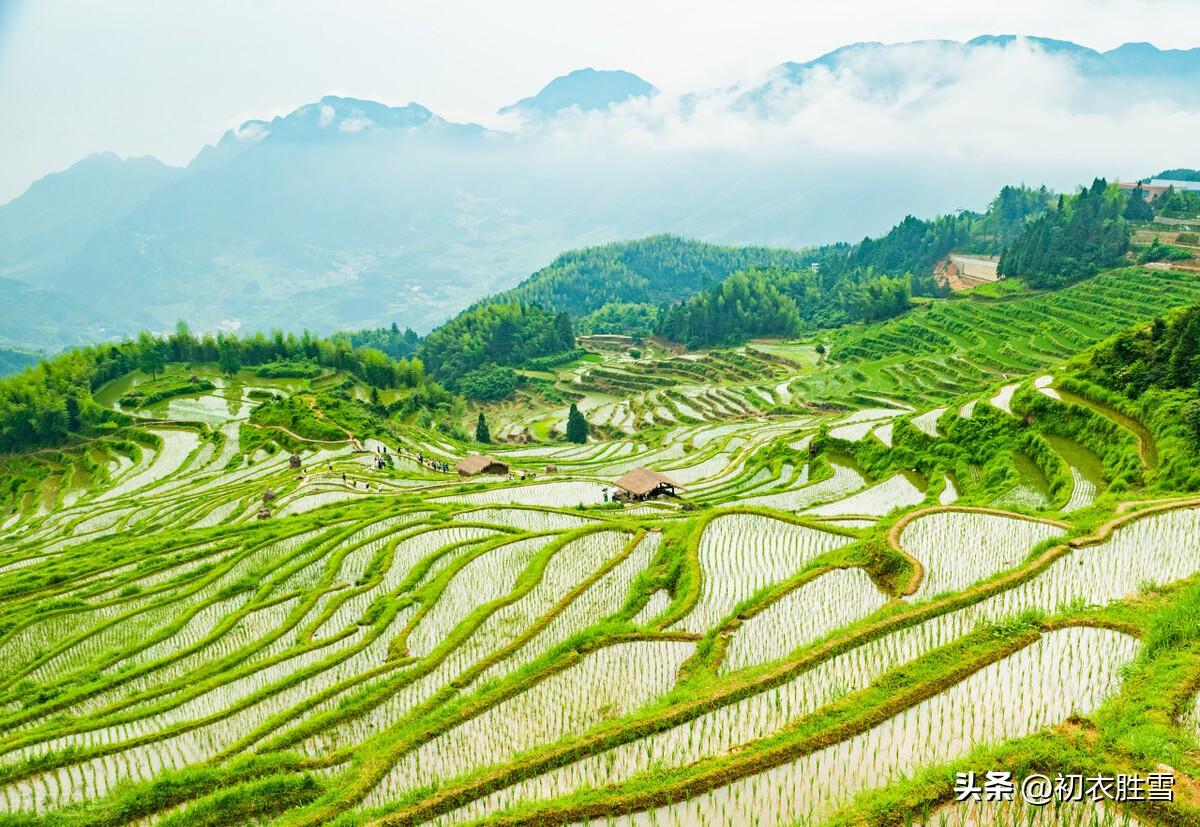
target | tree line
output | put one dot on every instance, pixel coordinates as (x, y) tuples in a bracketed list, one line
[(1084, 234), (844, 283), (872, 280), (474, 353)]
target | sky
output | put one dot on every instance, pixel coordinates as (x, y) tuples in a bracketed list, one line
[(164, 78)]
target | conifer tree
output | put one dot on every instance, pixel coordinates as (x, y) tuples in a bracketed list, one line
[(577, 426), (482, 434)]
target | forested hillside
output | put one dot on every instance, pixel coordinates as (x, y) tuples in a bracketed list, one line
[(1083, 235), (786, 303), (391, 340), (475, 352), (49, 402), (644, 286), (871, 280), (654, 270)]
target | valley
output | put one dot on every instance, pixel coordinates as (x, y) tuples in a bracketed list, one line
[(939, 543)]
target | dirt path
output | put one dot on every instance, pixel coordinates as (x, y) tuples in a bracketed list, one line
[(320, 414), (299, 438)]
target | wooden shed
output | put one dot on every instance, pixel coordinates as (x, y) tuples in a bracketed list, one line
[(481, 464), (642, 484)]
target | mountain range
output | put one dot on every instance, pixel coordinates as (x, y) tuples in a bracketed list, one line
[(353, 213)]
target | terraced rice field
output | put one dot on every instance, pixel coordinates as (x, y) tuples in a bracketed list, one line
[(196, 631), (946, 349)]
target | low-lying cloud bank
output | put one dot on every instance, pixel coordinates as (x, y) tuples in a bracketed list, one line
[(1005, 102)]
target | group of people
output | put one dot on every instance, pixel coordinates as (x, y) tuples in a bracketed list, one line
[(435, 464)]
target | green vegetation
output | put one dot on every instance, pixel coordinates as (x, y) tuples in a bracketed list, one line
[(651, 271), (1085, 234), (289, 368), (1158, 251), (938, 352), (46, 405), (774, 303), (960, 536), (157, 390), (466, 352), (577, 427), (1178, 204), (388, 340), (1178, 174), (872, 280)]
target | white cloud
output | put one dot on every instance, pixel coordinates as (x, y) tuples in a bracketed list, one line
[(355, 124), (930, 101), (252, 131)]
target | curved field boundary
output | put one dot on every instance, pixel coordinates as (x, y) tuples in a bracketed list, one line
[(724, 691), (713, 773), (689, 598), (467, 625), (220, 674), (1147, 450), (844, 721), (893, 535)]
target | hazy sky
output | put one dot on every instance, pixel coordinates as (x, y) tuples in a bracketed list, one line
[(164, 78)]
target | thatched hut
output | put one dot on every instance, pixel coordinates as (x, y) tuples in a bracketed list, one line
[(481, 464), (294, 461), (644, 484)]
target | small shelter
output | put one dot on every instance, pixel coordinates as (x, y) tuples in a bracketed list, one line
[(481, 464), (643, 484), (294, 461)]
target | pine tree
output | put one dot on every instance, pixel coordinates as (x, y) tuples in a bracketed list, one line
[(482, 434), (577, 426), (563, 331)]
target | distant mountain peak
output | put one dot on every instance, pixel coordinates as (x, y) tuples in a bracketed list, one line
[(337, 114), (330, 117), (587, 89)]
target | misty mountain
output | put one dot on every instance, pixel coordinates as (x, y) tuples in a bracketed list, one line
[(59, 213), (15, 361), (1126, 75), (350, 213), (586, 89)]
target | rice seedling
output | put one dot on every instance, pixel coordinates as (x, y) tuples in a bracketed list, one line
[(438, 632), (1037, 687), (741, 553), (801, 616), (526, 519), (898, 491), (551, 495), (608, 683), (959, 548), (1019, 814)]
